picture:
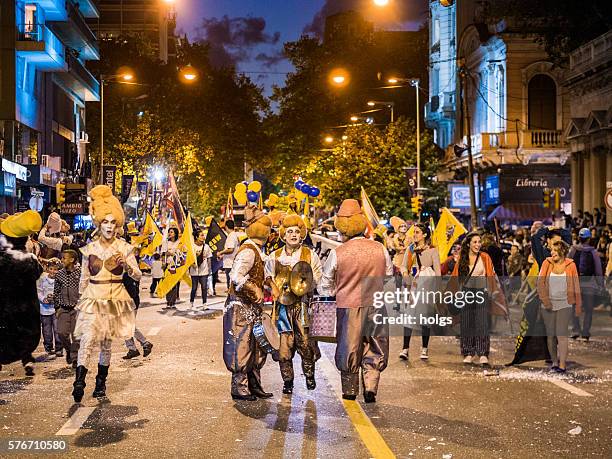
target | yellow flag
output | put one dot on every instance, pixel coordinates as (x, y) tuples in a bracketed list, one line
[(149, 228), (446, 233), (179, 265)]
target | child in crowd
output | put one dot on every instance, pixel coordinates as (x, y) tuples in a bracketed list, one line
[(45, 286), (65, 297), (157, 272)]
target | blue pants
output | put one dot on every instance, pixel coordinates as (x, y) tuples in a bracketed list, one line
[(49, 332)]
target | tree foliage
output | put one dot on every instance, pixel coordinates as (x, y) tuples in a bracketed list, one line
[(374, 158)]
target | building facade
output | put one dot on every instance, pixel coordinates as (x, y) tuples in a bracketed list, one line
[(44, 45), (510, 101), (587, 132), (152, 21)]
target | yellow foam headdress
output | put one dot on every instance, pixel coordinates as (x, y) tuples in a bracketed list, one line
[(293, 220), (350, 221), (381, 231), (396, 222), (103, 203), (276, 216), (21, 225), (258, 225), (131, 228)]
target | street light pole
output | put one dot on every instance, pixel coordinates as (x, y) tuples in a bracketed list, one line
[(101, 129), (415, 82), (473, 215)]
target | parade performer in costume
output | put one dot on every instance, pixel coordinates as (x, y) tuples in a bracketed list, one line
[(353, 272), (170, 247), (106, 310), (19, 306), (293, 318), (241, 353)]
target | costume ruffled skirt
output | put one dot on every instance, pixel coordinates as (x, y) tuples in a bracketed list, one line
[(103, 319)]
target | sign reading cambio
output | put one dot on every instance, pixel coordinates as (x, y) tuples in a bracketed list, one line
[(72, 208)]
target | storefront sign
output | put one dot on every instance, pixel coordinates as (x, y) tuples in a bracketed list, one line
[(527, 184), (8, 185), (460, 195), (491, 196), (72, 208), (17, 170)]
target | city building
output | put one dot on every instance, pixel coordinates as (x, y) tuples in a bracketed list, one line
[(517, 112), (152, 21), (44, 84), (588, 132)]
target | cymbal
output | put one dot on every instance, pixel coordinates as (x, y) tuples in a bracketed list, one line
[(301, 278)]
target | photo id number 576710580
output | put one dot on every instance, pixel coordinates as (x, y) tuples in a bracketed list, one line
[(10, 445)]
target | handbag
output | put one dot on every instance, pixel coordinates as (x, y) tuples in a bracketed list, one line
[(452, 309)]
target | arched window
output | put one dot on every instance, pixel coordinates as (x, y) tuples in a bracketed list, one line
[(542, 102)]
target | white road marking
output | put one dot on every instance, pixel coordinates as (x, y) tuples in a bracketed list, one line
[(568, 387), (77, 420), (154, 331)]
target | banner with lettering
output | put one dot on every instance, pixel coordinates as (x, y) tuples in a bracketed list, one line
[(109, 174), (215, 238), (126, 186)]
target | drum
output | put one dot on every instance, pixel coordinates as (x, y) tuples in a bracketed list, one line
[(266, 334), (323, 319)]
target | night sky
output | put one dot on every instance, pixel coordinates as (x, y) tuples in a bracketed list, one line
[(251, 33)]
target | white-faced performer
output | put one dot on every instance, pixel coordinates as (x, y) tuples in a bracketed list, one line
[(353, 272), (106, 310), (292, 313), (241, 353)]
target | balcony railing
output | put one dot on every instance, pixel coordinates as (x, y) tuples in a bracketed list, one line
[(30, 32), (541, 139)]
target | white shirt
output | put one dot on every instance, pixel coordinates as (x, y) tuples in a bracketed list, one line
[(204, 268), (327, 286), (157, 269), (232, 242), (54, 243), (243, 262), (557, 288), (291, 260), (44, 287)]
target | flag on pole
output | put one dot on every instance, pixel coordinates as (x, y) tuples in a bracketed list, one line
[(369, 212), (173, 201), (178, 265), (150, 237), (229, 207), (446, 233)]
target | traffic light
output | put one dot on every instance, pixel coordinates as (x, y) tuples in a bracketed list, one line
[(60, 193), (546, 198), (417, 204), (557, 195)]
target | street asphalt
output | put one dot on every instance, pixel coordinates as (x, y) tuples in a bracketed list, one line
[(176, 403)]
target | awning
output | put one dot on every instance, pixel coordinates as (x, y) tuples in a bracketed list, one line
[(521, 212)]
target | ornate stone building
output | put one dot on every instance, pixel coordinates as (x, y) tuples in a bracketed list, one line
[(588, 133)]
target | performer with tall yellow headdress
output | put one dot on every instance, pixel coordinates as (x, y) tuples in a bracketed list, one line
[(292, 315), (106, 310)]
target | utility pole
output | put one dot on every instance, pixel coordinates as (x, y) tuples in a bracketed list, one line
[(463, 73)]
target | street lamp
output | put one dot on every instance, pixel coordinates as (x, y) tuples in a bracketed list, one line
[(390, 105), (381, 2), (189, 74), (329, 139), (125, 75), (339, 77)]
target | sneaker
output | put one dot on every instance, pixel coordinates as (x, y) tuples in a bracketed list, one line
[(575, 335), (146, 348), (424, 354), (484, 360), (468, 359), (404, 354), (204, 307), (560, 370), (59, 354), (585, 339), (131, 354)]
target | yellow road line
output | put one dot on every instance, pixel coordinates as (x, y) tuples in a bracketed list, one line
[(368, 434)]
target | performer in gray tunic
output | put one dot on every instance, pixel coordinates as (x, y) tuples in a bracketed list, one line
[(241, 353), (353, 272)]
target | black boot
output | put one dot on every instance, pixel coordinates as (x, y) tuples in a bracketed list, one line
[(131, 354), (311, 384), (256, 389), (100, 390), (288, 387), (146, 348), (369, 397), (79, 384), (248, 398), (349, 396)]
